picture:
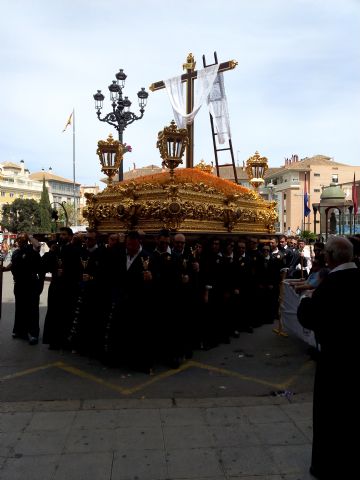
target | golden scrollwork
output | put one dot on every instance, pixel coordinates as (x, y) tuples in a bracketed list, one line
[(204, 167), (192, 202)]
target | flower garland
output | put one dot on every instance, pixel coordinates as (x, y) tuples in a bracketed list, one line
[(192, 175)]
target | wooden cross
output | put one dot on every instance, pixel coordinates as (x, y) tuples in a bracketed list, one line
[(189, 77)]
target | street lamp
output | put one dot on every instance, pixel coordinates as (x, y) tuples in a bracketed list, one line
[(121, 116), (55, 213)]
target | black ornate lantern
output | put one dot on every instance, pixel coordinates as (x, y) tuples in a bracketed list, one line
[(121, 116)]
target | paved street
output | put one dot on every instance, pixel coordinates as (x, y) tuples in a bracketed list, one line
[(240, 411)]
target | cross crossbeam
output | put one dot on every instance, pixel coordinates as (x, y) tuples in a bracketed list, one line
[(188, 78)]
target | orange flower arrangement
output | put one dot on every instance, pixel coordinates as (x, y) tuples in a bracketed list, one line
[(193, 175)]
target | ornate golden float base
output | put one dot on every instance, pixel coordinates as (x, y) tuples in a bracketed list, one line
[(190, 201)]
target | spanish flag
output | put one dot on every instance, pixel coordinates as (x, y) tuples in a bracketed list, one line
[(355, 196), (69, 121)]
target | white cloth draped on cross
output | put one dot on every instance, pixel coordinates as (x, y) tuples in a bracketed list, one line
[(217, 104), (209, 87)]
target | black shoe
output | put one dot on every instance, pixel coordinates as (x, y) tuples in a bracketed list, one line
[(225, 340), (18, 335), (188, 354), (33, 340), (314, 473), (174, 363)]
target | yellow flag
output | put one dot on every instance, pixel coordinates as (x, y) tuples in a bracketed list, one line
[(68, 122)]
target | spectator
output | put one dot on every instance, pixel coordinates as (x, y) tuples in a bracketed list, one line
[(25, 267), (330, 313)]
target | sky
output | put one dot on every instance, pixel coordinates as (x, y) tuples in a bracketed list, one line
[(296, 89)]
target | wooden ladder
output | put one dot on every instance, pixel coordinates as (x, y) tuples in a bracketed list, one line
[(214, 135)]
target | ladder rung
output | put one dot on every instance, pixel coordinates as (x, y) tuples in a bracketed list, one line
[(222, 149), (226, 165)]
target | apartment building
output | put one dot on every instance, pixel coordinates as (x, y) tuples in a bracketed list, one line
[(15, 182), (296, 177), (60, 189)]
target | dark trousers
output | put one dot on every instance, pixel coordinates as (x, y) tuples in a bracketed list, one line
[(27, 297)]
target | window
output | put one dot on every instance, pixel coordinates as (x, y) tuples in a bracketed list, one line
[(316, 189), (11, 194), (316, 174), (334, 178), (284, 196), (3, 194)]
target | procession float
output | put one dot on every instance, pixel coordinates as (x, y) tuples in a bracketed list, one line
[(193, 199)]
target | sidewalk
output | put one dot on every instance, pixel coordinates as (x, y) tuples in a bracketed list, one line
[(247, 438)]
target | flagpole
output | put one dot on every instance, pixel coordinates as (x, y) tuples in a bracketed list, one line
[(303, 202), (354, 199), (74, 184)]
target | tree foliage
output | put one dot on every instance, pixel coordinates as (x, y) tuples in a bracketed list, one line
[(23, 215), (45, 210), (308, 235)]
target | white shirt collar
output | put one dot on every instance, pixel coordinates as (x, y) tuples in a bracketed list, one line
[(344, 266), (129, 260)]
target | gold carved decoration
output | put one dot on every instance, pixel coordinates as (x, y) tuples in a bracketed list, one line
[(110, 153), (190, 62), (256, 167), (191, 201), (204, 167), (171, 143)]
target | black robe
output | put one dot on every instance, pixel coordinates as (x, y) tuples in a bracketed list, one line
[(333, 314), (25, 267)]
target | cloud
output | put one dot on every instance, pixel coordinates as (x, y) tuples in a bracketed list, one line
[(295, 90)]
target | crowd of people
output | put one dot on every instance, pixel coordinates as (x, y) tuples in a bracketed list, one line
[(128, 301)]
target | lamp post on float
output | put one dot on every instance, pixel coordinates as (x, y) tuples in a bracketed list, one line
[(256, 167), (121, 116)]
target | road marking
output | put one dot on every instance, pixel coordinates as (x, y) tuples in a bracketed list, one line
[(306, 366), (30, 371), (168, 373), (156, 378), (89, 376), (231, 373)]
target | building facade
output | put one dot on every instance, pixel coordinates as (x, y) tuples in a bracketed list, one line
[(60, 190), (16, 182), (310, 175)]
